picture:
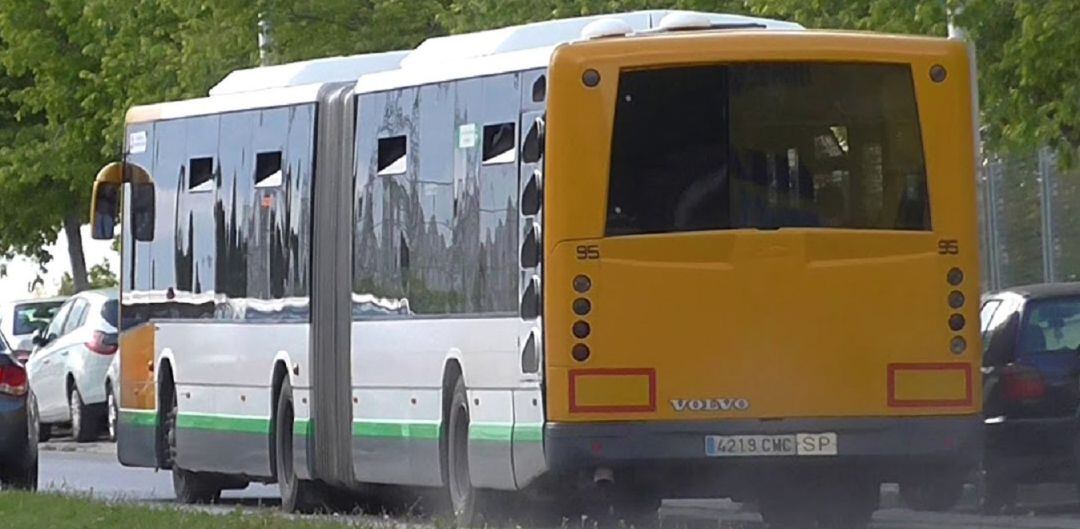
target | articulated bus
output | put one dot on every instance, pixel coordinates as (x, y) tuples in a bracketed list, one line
[(606, 259)]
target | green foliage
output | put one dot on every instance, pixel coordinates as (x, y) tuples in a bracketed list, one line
[(100, 276), (1030, 76)]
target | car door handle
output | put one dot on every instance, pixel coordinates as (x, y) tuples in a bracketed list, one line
[(46, 361), (65, 353)]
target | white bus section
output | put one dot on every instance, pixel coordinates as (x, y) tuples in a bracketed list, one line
[(398, 359)]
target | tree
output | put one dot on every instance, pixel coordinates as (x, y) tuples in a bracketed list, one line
[(100, 276), (1029, 75)]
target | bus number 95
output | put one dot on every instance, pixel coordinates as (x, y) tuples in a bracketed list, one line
[(588, 252)]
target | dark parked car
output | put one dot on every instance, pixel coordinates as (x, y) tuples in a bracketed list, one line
[(1031, 388), (18, 441)]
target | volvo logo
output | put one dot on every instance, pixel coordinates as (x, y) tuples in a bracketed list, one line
[(681, 405)]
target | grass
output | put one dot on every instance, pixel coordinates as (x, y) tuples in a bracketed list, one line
[(55, 511)]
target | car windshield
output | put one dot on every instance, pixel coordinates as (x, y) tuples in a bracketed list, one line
[(29, 317), (1051, 325)]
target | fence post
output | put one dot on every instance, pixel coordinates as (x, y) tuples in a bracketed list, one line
[(991, 219), (1046, 211)]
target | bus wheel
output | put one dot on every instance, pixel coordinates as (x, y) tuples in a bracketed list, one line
[(999, 492), (839, 504), (463, 497), (933, 495), (189, 487), (297, 495)]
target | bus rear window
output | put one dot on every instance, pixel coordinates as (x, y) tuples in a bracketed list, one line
[(767, 145)]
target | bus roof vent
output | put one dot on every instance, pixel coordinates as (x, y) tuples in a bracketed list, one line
[(606, 27), (683, 20)]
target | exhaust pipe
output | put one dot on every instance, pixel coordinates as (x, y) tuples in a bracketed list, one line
[(603, 476)]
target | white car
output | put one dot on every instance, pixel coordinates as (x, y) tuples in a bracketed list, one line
[(21, 320), (68, 368)]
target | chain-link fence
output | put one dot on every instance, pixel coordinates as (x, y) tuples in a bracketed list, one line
[(1029, 215)]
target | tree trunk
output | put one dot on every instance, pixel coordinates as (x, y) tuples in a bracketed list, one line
[(72, 223)]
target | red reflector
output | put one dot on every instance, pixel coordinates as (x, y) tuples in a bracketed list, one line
[(13, 380), (1022, 383), (100, 345)]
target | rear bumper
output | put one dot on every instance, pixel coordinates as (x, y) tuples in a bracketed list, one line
[(1033, 449), (13, 435), (889, 448)]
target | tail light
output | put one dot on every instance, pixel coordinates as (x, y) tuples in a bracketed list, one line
[(13, 380), (1022, 384), (102, 343)]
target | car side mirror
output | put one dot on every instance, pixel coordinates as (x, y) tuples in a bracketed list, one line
[(39, 340)]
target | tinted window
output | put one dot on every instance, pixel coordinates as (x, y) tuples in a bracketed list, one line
[(110, 311), (56, 326), (767, 146), (268, 169), (1051, 325), (77, 316), (987, 312), (438, 234), (392, 153), (29, 317), (202, 174), (499, 143)]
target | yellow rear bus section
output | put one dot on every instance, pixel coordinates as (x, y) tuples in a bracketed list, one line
[(750, 323)]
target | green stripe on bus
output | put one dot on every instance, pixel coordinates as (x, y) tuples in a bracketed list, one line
[(501, 432), (490, 431), (302, 427), (142, 418), (402, 430), (223, 424), (529, 433)]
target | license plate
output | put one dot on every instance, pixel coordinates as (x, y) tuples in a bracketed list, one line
[(801, 444)]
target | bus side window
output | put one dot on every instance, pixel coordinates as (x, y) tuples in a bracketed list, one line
[(499, 143), (393, 156)]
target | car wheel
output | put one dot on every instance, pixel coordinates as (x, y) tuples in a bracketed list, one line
[(83, 425), (112, 413), (44, 431)]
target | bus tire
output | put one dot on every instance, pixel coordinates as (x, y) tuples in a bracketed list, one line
[(297, 495), (932, 495), (463, 498), (1000, 492), (189, 487)]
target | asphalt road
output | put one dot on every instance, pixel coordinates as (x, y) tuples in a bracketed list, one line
[(92, 469)]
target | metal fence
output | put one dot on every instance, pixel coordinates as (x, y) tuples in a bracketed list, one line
[(1029, 216)]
